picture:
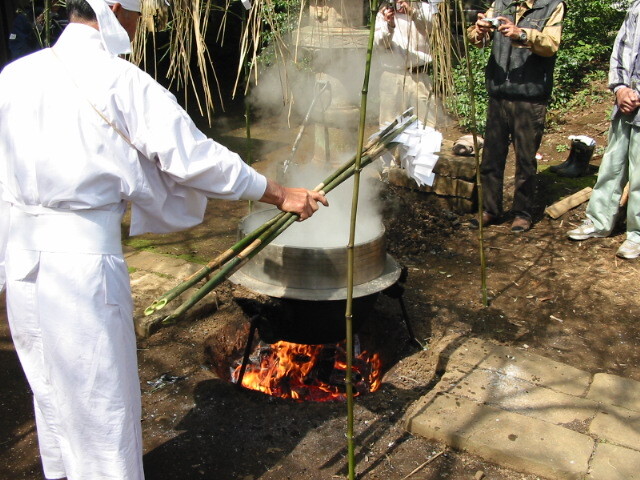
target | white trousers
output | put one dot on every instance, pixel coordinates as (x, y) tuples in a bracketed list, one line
[(70, 314), (402, 89)]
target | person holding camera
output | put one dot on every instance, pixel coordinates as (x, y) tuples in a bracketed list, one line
[(519, 80), (402, 33)]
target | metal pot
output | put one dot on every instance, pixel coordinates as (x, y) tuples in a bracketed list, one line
[(315, 273)]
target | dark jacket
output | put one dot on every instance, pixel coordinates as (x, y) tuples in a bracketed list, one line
[(517, 73)]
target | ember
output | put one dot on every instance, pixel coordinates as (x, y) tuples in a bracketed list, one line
[(309, 372)]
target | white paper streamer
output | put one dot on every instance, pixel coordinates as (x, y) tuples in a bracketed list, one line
[(417, 157), (246, 3)]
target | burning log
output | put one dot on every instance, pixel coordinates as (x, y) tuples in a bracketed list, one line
[(241, 252)]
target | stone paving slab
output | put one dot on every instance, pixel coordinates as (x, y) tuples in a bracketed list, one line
[(519, 396), (475, 353), (611, 462), (516, 441), (615, 390), (617, 425)]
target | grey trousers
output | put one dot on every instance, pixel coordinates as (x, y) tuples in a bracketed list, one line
[(520, 122), (620, 163)]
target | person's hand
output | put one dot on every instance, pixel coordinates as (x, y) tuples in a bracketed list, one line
[(405, 7), (627, 99), (300, 201), (509, 29), (388, 13), (483, 27)]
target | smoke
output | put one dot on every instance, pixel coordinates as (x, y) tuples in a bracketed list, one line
[(323, 87), (330, 227)]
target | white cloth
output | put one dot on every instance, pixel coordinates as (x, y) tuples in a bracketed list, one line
[(418, 152), (407, 45), (71, 313), (132, 5), (114, 38), (403, 49)]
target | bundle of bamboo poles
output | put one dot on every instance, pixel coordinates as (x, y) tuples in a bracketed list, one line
[(220, 268)]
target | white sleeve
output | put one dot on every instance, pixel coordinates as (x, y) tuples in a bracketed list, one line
[(4, 234), (165, 134)]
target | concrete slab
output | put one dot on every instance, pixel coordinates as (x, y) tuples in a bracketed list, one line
[(516, 441), (611, 462), (615, 390), (617, 425), (519, 396), (475, 353)]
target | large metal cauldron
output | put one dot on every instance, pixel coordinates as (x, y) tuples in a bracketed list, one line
[(312, 284)]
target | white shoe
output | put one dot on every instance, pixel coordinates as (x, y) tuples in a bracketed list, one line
[(629, 249), (584, 231)]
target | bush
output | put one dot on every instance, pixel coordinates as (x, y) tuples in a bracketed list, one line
[(589, 30)]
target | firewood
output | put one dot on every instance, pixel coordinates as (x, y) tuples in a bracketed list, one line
[(562, 206), (625, 195)]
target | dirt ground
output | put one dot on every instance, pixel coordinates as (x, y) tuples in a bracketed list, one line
[(573, 302)]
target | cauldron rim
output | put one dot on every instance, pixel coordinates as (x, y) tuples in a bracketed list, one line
[(389, 276)]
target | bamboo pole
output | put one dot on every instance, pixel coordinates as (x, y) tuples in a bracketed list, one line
[(265, 234), (474, 131), (47, 23), (373, 4), (374, 148)]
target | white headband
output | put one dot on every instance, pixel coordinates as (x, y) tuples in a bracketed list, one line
[(132, 5), (114, 36)]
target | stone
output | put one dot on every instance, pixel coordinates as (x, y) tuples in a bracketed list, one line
[(617, 425), (611, 462), (519, 396), (475, 353), (509, 439), (615, 390)]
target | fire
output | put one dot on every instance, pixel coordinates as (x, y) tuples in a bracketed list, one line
[(309, 372)]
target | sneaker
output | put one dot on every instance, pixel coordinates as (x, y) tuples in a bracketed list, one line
[(584, 231), (521, 224), (629, 249)]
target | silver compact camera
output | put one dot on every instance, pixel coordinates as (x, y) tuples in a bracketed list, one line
[(495, 23)]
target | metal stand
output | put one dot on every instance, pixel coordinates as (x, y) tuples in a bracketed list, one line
[(247, 349), (396, 291)]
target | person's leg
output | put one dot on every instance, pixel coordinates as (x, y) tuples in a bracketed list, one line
[(84, 375), (633, 203), (528, 121), (494, 156), (23, 316), (613, 174)]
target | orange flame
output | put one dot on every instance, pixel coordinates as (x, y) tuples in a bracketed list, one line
[(310, 372)]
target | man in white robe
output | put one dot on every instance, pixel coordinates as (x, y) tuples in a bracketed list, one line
[(402, 36), (82, 133)]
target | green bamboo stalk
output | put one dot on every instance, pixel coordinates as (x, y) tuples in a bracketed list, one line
[(375, 146), (474, 131), (47, 23), (232, 266), (265, 234), (350, 246), (190, 281)]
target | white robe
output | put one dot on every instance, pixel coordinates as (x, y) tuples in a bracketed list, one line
[(65, 176)]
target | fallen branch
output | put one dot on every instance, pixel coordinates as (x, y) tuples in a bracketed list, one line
[(420, 467), (563, 206)]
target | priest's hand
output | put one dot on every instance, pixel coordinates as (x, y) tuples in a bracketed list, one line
[(300, 201)]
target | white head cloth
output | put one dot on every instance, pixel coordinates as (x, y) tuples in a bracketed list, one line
[(114, 37)]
